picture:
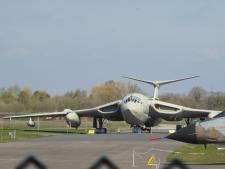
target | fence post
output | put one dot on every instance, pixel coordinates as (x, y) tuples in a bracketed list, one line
[(133, 165), (38, 124)]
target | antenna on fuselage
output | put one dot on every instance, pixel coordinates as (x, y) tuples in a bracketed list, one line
[(157, 83)]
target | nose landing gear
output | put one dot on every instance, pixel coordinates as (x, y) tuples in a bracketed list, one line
[(136, 129), (141, 129)]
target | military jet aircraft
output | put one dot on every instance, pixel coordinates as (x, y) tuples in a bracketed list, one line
[(136, 109), (211, 131)]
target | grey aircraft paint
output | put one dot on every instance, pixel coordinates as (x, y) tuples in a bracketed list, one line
[(205, 132)]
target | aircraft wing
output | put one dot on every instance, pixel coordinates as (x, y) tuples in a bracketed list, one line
[(109, 111), (36, 115), (196, 113), (170, 111)]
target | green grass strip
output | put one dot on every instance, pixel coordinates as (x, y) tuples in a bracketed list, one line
[(197, 154)]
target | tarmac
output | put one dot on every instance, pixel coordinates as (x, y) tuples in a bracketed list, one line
[(81, 151)]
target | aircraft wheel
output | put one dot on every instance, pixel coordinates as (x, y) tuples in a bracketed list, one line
[(101, 130), (136, 129)]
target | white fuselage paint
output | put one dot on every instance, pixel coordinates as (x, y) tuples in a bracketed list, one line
[(135, 110)]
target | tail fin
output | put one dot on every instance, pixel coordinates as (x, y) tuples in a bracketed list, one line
[(157, 83)]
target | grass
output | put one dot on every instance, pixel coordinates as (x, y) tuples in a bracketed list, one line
[(23, 132), (61, 123), (197, 154), (7, 135), (58, 130), (48, 128)]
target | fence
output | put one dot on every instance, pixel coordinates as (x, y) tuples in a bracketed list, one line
[(101, 163)]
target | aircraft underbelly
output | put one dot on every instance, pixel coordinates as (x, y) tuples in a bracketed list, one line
[(170, 117), (166, 115)]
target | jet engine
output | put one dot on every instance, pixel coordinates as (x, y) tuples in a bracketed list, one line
[(73, 120), (31, 123)]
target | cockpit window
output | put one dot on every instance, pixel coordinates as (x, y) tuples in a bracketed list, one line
[(133, 99)]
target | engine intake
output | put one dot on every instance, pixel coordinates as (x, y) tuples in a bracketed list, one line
[(31, 123), (73, 120)]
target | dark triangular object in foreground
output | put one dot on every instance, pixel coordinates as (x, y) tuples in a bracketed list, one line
[(104, 162), (31, 161), (176, 164)]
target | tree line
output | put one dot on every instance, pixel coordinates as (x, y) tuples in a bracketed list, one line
[(16, 99)]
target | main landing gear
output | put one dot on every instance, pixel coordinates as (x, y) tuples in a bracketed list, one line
[(97, 124), (188, 121)]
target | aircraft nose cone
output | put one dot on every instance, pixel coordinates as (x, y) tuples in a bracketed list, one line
[(130, 118), (131, 115), (186, 134), (128, 109)]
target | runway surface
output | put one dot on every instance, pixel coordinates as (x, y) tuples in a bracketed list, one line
[(81, 151)]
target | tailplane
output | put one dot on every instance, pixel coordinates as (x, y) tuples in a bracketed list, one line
[(157, 83)]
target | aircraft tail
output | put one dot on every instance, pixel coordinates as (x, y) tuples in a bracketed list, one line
[(157, 83)]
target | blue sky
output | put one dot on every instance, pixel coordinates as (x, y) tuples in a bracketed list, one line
[(64, 45)]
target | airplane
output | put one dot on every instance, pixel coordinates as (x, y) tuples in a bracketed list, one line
[(136, 109), (211, 131)]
